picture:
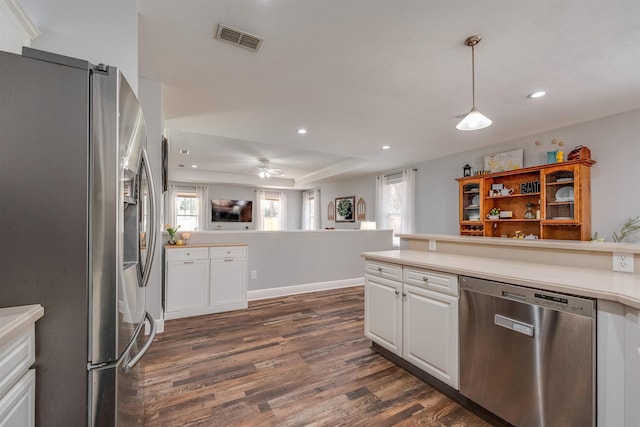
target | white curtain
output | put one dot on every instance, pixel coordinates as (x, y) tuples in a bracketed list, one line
[(396, 202), (381, 203), (307, 196), (261, 196), (170, 204), (408, 222), (283, 210), (258, 217)]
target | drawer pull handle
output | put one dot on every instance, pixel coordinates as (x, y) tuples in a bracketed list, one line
[(188, 262), (397, 292), (425, 278), (228, 259), (380, 269)]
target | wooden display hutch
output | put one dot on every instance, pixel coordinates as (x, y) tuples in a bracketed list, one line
[(559, 195)]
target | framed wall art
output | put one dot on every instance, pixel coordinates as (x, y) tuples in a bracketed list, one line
[(345, 207)]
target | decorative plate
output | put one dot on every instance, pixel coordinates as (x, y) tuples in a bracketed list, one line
[(476, 200), (565, 194)]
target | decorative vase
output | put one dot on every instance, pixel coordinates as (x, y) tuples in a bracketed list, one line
[(172, 240), (551, 157)]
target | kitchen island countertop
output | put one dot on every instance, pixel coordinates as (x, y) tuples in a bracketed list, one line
[(14, 320), (595, 283)]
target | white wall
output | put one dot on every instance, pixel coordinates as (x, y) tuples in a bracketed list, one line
[(241, 192), (291, 258), (97, 31), (364, 187), (614, 142), (13, 34)]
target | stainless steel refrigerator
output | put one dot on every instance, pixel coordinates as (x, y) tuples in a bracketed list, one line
[(77, 231)]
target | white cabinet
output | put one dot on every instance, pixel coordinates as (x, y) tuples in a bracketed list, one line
[(383, 312), (383, 305), (17, 355), (430, 333), (228, 285), (187, 278), (413, 313), (205, 280)]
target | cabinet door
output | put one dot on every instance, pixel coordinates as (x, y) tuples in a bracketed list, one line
[(562, 194), (431, 333), (228, 281), (18, 406), (383, 312), (187, 285)]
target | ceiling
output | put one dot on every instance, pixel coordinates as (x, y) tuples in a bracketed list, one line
[(360, 74)]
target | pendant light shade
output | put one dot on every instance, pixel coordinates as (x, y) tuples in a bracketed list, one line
[(475, 119)]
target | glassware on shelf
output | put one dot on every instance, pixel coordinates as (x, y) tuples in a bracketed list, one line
[(529, 213)]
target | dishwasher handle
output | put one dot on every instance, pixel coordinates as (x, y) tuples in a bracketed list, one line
[(514, 325)]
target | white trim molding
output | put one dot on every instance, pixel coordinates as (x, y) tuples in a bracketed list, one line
[(259, 294), (31, 28)]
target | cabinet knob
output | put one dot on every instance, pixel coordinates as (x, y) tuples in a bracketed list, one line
[(188, 253), (425, 278), (397, 292), (404, 294), (380, 269)]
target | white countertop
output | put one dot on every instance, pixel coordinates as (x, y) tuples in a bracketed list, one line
[(14, 320), (609, 285)]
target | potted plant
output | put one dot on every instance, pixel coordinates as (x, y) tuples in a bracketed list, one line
[(494, 213)]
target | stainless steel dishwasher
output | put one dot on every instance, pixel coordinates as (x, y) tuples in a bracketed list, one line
[(528, 355)]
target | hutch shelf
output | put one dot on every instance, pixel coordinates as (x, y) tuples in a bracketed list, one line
[(547, 201)]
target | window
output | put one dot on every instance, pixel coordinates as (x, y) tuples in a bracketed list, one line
[(186, 208), (311, 210), (271, 208), (395, 203)]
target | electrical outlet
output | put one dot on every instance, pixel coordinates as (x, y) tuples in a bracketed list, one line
[(254, 274), (623, 262)]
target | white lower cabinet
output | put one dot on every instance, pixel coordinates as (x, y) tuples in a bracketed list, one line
[(413, 313), (205, 280), (17, 381), (430, 333), (383, 313), (228, 289), (18, 406)]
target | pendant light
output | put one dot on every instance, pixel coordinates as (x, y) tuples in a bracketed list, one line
[(475, 119)]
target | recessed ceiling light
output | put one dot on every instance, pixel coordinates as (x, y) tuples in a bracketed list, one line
[(194, 166), (386, 147), (302, 131), (537, 94), (183, 151)]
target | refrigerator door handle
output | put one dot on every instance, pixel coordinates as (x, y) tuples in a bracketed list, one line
[(153, 220), (143, 350)]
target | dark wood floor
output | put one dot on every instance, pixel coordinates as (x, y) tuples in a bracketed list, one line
[(292, 361)]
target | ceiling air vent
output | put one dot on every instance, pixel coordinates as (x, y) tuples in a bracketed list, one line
[(238, 38)]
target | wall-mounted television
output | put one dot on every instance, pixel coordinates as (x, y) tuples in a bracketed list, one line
[(224, 210)]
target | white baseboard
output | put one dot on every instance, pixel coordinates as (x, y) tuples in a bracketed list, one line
[(259, 294), (159, 326)]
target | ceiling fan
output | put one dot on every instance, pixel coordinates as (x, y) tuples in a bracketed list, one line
[(264, 171)]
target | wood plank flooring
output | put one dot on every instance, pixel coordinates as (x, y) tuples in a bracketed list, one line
[(293, 361)]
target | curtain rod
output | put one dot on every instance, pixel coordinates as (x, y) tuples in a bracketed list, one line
[(398, 173)]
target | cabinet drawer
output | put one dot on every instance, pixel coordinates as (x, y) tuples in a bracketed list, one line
[(433, 280), (15, 359), (228, 252), (184, 254), (382, 269)]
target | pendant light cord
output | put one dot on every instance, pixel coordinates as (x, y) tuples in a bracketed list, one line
[(473, 77)]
